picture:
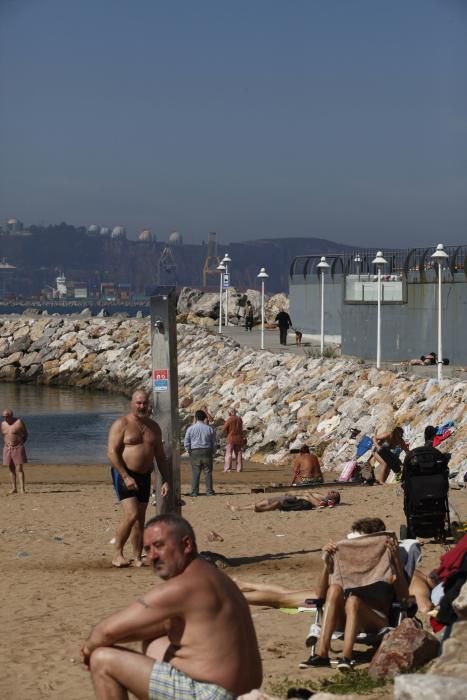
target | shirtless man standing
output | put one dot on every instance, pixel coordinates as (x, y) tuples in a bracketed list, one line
[(307, 469), (197, 633), (14, 455), (134, 442)]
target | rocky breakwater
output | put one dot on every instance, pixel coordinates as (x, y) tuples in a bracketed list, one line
[(285, 400)]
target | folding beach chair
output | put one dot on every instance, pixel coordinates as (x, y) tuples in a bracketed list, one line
[(410, 553)]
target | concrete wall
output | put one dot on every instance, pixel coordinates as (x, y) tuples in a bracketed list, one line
[(305, 304), (410, 330)]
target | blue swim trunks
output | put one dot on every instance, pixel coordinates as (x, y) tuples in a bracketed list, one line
[(168, 683)]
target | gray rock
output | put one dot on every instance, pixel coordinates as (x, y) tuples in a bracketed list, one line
[(427, 686)]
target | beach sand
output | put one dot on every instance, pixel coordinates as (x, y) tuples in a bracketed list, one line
[(57, 580)]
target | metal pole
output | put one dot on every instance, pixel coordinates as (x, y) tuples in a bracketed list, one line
[(165, 389), (227, 298), (378, 337), (262, 314), (220, 302), (322, 313), (440, 341)]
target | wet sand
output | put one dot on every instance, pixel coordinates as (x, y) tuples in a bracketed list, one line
[(57, 580)]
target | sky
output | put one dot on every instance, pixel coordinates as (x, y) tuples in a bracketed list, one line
[(338, 119)]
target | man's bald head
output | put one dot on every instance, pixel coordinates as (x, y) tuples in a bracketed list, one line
[(7, 413)]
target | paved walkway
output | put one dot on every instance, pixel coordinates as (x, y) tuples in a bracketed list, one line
[(312, 343)]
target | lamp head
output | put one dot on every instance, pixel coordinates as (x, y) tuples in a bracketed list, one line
[(226, 259), (357, 259), (220, 267), (322, 265), (262, 273), (440, 254), (379, 260)]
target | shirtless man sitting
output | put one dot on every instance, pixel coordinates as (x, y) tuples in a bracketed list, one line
[(197, 633), (307, 469), (135, 441), (14, 455)]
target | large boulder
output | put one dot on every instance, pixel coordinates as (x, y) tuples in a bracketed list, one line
[(428, 687), (453, 660), (404, 649)]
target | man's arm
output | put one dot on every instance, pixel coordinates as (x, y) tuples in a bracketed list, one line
[(187, 440), (25, 431), (213, 440), (145, 619)]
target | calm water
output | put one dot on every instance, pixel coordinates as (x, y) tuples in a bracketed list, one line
[(65, 425)]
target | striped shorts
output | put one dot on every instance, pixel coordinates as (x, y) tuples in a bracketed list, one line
[(168, 683)]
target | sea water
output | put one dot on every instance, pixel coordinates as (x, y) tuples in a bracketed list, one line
[(65, 425)]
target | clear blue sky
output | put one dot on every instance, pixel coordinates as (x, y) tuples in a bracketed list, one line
[(341, 119)]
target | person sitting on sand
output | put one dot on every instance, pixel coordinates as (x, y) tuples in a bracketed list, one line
[(307, 469), (198, 638), (288, 502)]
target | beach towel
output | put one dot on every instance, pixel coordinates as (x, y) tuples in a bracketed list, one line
[(364, 445), (347, 470), (362, 562)]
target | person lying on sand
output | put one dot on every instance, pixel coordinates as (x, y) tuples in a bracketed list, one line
[(289, 502), (198, 638)]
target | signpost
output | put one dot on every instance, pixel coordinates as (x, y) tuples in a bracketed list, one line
[(165, 389), (226, 280)]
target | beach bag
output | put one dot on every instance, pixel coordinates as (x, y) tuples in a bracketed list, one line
[(391, 459), (348, 470)]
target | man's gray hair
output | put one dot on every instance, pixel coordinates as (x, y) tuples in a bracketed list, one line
[(232, 411)]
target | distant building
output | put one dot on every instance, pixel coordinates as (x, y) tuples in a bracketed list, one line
[(175, 238), (118, 232)]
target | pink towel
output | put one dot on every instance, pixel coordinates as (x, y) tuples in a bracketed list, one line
[(362, 561)]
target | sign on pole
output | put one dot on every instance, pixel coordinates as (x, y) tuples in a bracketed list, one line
[(226, 280)]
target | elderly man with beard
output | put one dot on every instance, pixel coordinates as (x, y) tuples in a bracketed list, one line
[(198, 637), (135, 441)]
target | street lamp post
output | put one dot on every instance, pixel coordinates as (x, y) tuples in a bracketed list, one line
[(221, 269), (262, 276), (379, 261), (440, 256), (322, 267), (357, 260), (225, 261)]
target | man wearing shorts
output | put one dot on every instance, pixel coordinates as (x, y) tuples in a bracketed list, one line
[(198, 638), (14, 455), (135, 441)]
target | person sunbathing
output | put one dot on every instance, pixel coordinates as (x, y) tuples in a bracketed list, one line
[(289, 502), (275, 596)]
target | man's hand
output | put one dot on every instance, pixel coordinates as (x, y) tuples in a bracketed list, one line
[(85, 655), (130, 483), (165, 488), (328, 555)]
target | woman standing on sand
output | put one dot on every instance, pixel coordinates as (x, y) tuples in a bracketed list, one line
[(233, 428)]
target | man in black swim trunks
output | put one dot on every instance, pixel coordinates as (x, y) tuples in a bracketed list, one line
[(135, 441)]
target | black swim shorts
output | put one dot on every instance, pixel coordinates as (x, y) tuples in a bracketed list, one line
[(144, 487)]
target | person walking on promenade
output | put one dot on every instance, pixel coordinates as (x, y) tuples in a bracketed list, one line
[(233, 428), (197, 634), (200, 443), (249, 316), (284, 322), (135, 441), (14, 434)]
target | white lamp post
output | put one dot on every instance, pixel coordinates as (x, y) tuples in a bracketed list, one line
[(440, 256), (322, 267), (262, 275), (357, 260), (225, 261), (221, 269), (379, 261)]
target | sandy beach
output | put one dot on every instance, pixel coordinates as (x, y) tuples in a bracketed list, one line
[(57, 580)]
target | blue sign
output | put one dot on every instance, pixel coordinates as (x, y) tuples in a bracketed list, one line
[(226, 280)]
